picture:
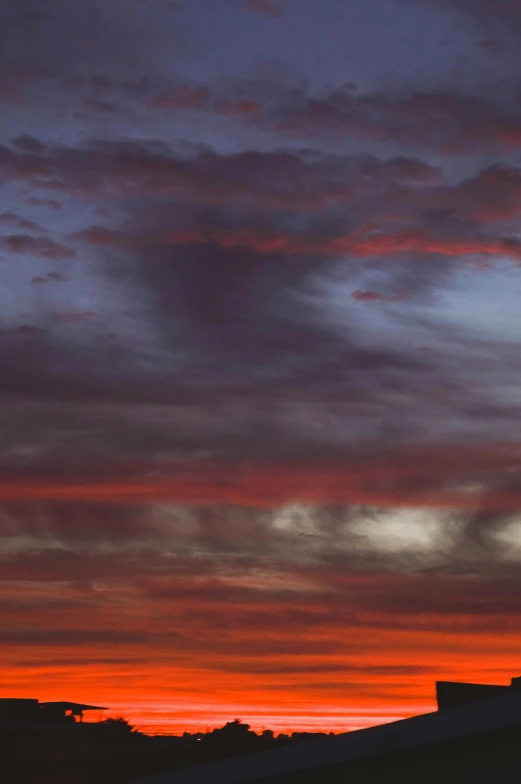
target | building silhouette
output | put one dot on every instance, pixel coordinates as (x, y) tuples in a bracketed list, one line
[(17, 712), (34, 733), (473, 738)]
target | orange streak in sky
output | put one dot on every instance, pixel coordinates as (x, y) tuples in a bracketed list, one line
[(193, 660), (162, 696)]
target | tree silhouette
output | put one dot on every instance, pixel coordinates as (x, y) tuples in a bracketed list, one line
[(235, 728), (119, 725)]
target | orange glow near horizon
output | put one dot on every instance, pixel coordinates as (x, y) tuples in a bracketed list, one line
[(388, 675), (180, 622)]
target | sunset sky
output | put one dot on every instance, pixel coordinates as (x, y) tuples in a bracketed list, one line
[(260, 356)]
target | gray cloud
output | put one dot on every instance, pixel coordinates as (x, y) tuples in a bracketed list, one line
[(246, 386), (246, 349)]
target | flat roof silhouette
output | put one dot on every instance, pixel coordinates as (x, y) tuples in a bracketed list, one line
[(72, 706)]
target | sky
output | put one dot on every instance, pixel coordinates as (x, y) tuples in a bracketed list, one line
[(260, 285)]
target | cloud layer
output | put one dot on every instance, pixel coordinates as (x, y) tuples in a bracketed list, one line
[(259, 342)]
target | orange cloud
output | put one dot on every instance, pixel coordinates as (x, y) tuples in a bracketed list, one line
[(417, 241), (375, 245)]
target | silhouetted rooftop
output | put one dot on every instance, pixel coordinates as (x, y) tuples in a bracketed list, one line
[(72, 706), (458, 722)]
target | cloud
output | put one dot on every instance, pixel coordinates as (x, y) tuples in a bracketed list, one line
[(455, 478), (107, 337), (50, 277), (17, 222), (450, 121), (233, 437), (138, 87), (72, 317), (185, 97), (490, 47), (264, 7), (59, 41), (306, 608), (46, 248), (33, 201), (266, 554), (490, 196), (29, 330), (482, 11), (244, 107), (70, 637), (376, 244), (274, 363), (100, 106), (417, 242), (100, 82), (292, 180), (443, 121), (101, 236), (375, 296), (29, 144), (72, 536), (295, 182)]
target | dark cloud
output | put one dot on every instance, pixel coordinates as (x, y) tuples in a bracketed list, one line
[(28, 330), (81, 525), (42, 638), (46, 248), (29, 144), (83, 661), (248, 542), (454, 121), (395, 206), (298, 606), (450, 122), (50, 277), (17, 222), (242, 286), (67, 37), (375, 296), (483, 12), (381, 192), (248, 404), (262, 371)]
